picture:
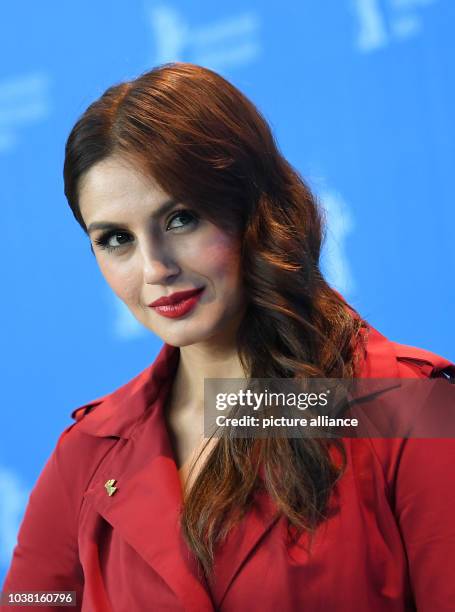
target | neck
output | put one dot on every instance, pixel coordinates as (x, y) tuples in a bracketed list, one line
[(200, 361)]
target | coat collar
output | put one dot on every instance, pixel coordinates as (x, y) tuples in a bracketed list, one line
[(119, 412), (380, 359)]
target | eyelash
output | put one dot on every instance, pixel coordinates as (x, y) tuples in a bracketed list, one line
[(103, 241)]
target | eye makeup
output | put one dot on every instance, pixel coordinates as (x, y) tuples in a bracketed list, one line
[(104, 240)]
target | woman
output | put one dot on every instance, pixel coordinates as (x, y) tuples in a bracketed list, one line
[(212, 240)]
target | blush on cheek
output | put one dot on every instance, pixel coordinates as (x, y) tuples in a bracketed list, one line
[(222, 254)]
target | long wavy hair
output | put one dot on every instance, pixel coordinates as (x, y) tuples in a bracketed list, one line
[(207, 145)]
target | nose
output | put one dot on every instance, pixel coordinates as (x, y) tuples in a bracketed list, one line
[(158, 265)]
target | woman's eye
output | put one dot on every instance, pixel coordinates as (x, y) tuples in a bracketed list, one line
[(112, 240), (183, 217)]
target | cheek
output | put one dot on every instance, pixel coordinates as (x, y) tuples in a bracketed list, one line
[(121, 278), (221, 259)]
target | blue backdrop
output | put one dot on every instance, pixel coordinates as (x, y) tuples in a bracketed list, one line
[(360, 95)]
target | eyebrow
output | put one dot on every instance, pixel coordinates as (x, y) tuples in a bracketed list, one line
[(107, 225)]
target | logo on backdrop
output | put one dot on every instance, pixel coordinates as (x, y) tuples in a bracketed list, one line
[(226, 43), (23, 100), (381, 22)]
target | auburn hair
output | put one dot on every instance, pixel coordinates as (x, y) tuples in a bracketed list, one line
[(207, 145)]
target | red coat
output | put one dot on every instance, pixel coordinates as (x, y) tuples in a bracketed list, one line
[(391, 543)]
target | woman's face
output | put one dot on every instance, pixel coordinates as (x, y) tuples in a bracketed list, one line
[(149, 247)]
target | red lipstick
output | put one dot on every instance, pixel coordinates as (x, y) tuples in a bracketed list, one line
[(177, 304)]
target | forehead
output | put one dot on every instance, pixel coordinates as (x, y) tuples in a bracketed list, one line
[(114, 186)]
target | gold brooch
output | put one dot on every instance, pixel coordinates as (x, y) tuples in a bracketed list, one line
[(109, 486)]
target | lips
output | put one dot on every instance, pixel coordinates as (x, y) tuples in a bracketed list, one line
[(178, 296)]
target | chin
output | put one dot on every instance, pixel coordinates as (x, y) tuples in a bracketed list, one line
[(189, 337), (186, 332), (181, 337)]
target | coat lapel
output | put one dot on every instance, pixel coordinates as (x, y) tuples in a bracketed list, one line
[(240, 544), (145, 508)]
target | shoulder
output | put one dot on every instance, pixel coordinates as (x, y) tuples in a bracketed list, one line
[(116, 413), (398, 385), (423, 362), (391, 362), (385, 358), (101, 423)]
